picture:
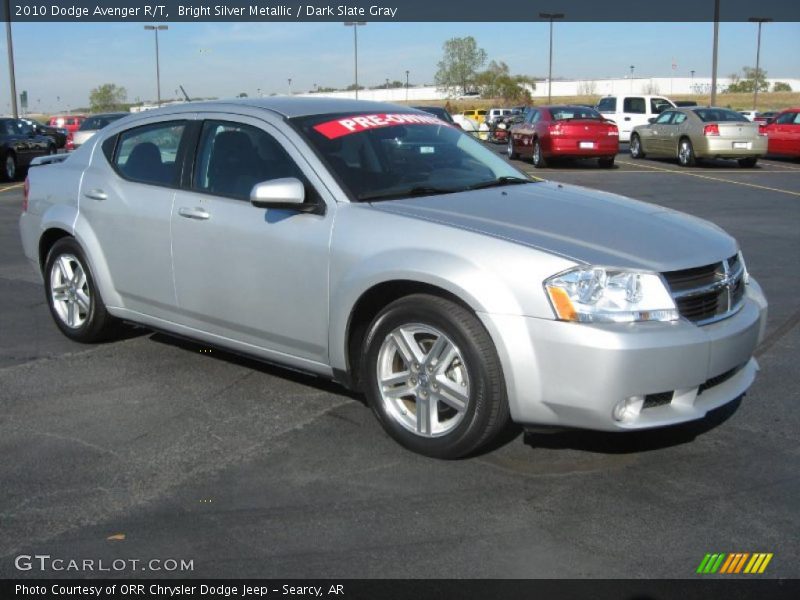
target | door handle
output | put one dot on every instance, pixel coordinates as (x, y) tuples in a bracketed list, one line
[(96, 194), (627, 118), (194, 213)]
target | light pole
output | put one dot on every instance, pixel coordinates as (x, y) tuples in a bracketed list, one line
[(406, 86), (691, 85), (156, 29), (632, 67), (290, 85), (550, 17), (713, 100), (355, 25), (758, 20), (11, 76)]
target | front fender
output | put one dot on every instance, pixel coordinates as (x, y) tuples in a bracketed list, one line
[(481, 290)]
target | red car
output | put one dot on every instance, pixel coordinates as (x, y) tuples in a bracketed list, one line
[(564, 132), (69, 122), (783, 133)]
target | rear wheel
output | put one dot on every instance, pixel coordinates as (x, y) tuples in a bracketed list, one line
[(748, 163), (539, 160), (686, 156), (72, 295), (433, 378), (636, 147), (10, 167), (606, 163), (510, 150)]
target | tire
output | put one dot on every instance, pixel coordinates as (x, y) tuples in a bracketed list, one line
[(51, 149), (75, 304), (636, 147), (464, 377), (10, 167), (748, 163), (606, 163), (539, 161), (686, 157), (512, 154)]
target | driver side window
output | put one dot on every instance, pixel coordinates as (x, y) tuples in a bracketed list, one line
[(664, 118), (233, 157)]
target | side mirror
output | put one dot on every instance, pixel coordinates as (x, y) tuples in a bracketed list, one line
[(288, 193), (651, 120)]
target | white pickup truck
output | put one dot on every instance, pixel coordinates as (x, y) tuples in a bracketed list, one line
[(628, 111)]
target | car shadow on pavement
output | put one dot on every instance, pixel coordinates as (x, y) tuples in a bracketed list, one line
[(310, 380), (604, 442)]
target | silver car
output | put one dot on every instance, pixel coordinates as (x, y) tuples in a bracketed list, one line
[(92, 125), (378, 246)]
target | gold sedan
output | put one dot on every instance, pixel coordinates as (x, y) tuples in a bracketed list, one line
[(689, 134)]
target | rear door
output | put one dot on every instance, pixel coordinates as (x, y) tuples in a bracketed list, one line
[(256, 276), (126, 196)]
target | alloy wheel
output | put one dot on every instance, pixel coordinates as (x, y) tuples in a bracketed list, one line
[(69, 290)]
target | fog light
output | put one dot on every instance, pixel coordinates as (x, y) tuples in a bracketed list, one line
[(627, 410)]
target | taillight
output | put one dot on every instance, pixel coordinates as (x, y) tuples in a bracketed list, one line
[(70, 145), (712, 129), (556, 129), (762, 130), (613, 131), (26, 190)]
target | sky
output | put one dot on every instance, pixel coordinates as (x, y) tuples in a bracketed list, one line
[(67, 60)]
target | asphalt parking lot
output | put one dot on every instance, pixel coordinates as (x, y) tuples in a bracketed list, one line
[(251, 470)]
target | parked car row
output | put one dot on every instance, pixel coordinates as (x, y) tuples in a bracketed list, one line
[(20, 143)]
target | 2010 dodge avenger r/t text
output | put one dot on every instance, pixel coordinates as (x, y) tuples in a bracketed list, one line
[(385, 249)]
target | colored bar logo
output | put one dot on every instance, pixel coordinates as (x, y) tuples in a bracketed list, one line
[(735, 563)]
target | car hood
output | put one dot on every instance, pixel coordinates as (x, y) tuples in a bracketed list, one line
[(583, 225)]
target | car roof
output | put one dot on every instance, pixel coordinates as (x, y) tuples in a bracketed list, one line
[(287, 106)]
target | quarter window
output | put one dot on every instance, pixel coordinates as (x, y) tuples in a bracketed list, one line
[(634, 105), (679, 118), (149, 154), (787, 118), (607, 105), (233, 158)]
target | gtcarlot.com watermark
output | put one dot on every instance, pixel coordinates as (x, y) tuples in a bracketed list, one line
[(47, 563)]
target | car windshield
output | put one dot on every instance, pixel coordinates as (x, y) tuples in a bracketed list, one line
[(565, 113), (717, 115), (397, 155)]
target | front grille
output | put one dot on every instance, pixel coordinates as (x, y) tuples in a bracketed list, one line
[(722, 378), (653, 400), (708, 293)]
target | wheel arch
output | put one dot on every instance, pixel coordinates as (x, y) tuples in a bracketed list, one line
[(367, 307)]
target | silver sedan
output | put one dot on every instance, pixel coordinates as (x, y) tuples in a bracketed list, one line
[(380, 247)]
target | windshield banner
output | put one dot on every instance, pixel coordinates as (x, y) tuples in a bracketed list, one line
[(356, 124)]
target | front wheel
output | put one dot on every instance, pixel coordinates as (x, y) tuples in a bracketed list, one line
[(512, 153), (433, 378), (636, 147), (73, 298), (686, 156), (10, 167), (748, 163)]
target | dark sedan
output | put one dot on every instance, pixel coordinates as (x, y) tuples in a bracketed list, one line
[(19, 145), (59, 134)]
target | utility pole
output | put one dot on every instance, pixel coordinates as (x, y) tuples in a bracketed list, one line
[(406, 86), (355, 25), (713, 101), (156, 29), (758, 20), (11, 75), (550, 17)]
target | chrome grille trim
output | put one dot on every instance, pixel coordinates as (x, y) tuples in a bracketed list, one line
[(719, 296)]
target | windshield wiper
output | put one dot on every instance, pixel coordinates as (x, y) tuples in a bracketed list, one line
[(504, 180), (419, 190)]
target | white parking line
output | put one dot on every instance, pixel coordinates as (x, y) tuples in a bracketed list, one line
[(10, 187)]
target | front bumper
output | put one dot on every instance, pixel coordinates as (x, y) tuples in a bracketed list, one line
[(576, 374)]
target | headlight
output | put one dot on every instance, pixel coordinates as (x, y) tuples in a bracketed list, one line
[(601, 295), (501, 125)]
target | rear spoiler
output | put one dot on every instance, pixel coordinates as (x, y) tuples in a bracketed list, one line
[(49, 159)]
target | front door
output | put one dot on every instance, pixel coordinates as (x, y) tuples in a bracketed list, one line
[(258, 277)]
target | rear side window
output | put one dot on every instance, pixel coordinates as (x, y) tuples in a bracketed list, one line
[(607, 105), (659, 105), (148, 154), (634, 105), (233, 157), (788, 118)]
